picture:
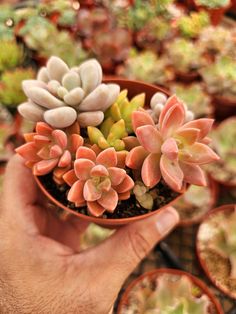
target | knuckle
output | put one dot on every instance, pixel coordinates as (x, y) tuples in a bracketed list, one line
[(139, 245)]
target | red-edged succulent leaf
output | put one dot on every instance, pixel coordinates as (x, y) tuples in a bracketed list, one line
[(109, 200), (44, 153), (140, 118), (130, 142), (28, 151), (70, 177), (136, 157), (199, 153), (55, 151), (95, 209), (99, 171), (193, 174), (150, 172), (60, 138), (121, 157), (43, 128), (40, 140), (75, 142), (150, 138), (188, 135), (117, 175), (126, 185), (105, 185), (172, 120), (204, 126), (65, 159), (29, 137), (170, 149), (83, 167), (75, 194), (86, 153), (90, 191), (107, 157), (44, 167), (171, 101), (124, 196), (171, 173)]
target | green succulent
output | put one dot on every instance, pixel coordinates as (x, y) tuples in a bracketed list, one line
[(11, 55), (11, 93), (146, 66), (220, 76), (94, 235), (184, 55), (194, 97), (122, 109), (191, 25), (115, 133), (213, 4), (173, 294)]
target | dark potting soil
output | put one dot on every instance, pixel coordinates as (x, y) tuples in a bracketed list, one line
[(125, 209)]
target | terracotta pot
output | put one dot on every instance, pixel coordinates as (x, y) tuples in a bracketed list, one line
[(224, 107), (216, 14), (225, 208), (157, 272), (187, 77), (134, 88), (214, 191)]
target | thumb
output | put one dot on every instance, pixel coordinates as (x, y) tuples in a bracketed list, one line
[(120, 254)]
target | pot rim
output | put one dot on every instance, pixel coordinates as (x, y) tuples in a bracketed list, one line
[(160, 271), (223, 208)]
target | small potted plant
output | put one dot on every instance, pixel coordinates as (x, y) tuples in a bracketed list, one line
[(220, 80), (197, 100), (216, 247), (196, 202), (190, 26), (146, 66), (223, 142), (93, 143), (215, 8), (186, 59), (168, 291)]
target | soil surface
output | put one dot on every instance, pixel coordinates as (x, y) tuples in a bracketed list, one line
[(125, 209)]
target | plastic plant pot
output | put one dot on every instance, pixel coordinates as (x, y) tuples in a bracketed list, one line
[(216, 267), (134, 88), (124, 302)]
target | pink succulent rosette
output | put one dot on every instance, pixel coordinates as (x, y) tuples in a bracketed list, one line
[(173, 149), (97, 182), (48, 149)]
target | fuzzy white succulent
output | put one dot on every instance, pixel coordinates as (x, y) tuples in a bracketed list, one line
[(61, 95)]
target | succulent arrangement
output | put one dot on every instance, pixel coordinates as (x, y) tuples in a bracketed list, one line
[(167, 293), (185, 56), (98, 144), (195, 97), (190, 26), (213, 4), (225, 169), (146, 66), (220, 77)]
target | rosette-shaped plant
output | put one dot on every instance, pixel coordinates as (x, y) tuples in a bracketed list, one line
[(224, 243), (97, 182), (61, 95), (173, 149), (11, 55), (47, 149)]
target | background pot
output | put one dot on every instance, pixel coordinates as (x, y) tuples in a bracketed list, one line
[(224, 107), (225, 208), (157, 272), (134, 88)]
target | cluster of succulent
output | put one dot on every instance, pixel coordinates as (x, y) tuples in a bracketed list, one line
[(192, 25), (11, 94), (220, 77), (146, 66), (126, 153), (185, 56), (11, 55), (41, 35), (195, 97), (6, 18), (171, 294), (225, 169), (224, 241), (217, 40), (213, 4)]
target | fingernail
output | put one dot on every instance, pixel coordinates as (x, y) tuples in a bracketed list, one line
[(167, 220)]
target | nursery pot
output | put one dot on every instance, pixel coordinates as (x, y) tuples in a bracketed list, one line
[(214, 191), (187, 77), (224, 107), (216, 14), (226, 290), (134, 88), (157, 272)]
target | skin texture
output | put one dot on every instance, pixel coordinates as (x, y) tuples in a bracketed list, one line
[(41, 269)]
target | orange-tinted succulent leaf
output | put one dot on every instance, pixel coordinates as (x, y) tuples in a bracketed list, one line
[(126, 185), (95, 209), (170, 149), (91, 192), (140, 118), (136, 157), (99, 171), (107, 157), (44, 167), (150, 172), (117, 175), (204, 126), (85, 152), (60, 138), (188, 135), (130, 142), (193, 174), (173, 119), (83, 167), (75, 194), (199, 153), (109, 200), (149, 138), (70, 177), (65, 159), (43, 128)]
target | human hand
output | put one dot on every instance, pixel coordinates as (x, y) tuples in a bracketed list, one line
[(41, 267)]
